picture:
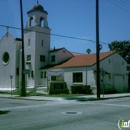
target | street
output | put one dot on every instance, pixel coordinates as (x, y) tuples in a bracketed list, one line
[(63, 115)]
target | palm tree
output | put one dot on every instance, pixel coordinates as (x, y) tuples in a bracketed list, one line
[(88, 51)]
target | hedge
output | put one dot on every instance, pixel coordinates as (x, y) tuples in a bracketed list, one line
[(58, 88), (81, 89)]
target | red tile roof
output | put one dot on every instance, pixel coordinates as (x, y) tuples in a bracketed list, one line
[(53, 50), (83, 60), (76, 53)]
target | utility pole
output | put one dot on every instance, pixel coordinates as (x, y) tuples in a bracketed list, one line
[(97, 49), (23, 84)]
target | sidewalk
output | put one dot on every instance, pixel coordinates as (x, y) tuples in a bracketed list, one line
[(79, 98)]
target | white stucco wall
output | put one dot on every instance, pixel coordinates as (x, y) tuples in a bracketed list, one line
[(63, 55), (68, 75), (35, 50), (60, 56), (30, 50), (8, 44), (116, 66)]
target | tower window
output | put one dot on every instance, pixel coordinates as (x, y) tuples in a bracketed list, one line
[(42, 43), (42, 58), (53, 58), (31, 21), (28, 42), (28, 57), (42, 22)]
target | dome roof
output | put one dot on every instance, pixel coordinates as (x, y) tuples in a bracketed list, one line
[(37, 7)]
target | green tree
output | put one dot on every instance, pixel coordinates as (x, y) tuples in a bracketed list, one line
[(88, 51), (122, 48)]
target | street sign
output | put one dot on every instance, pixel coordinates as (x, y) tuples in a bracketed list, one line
[(55, 73)]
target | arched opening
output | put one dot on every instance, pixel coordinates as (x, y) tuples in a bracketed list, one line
[(31, 21), (42, 24)]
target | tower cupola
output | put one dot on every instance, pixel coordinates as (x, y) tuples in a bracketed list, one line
[(37, 16)]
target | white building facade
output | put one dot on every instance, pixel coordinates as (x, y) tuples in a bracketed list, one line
[(46, 65), (77, 71)]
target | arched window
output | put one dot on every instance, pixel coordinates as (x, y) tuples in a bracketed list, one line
[(42, 22), (31, 21)]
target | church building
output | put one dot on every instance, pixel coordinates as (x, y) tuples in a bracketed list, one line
[(45, 64)]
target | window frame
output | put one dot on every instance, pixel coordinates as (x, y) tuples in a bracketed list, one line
[(42, 58), (28, 57), (42, 43), (53, 58), (29, 42), (77, 77)]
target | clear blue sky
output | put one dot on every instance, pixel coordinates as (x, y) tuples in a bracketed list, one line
[(74, 18)]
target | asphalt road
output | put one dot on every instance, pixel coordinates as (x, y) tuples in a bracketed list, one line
[(63, 115)]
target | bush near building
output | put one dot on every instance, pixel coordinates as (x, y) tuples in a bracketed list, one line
[(58, 88), (81, 89)]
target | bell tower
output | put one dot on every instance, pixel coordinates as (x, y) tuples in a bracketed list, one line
[(37, 16), (37, 43)]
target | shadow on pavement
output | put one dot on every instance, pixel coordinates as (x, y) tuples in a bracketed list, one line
[(4, 112), (81, 98)]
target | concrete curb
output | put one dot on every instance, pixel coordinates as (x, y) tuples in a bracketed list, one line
[(39, 98), (34, 99)]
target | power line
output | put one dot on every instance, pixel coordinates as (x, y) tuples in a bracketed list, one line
[(128, 3), (58, 35), (118, 6), (122, 3)]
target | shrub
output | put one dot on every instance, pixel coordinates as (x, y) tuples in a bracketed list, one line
[(81, 89), (109, 91), (58, 88)]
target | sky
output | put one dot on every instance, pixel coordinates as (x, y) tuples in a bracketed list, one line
[(73, 18)]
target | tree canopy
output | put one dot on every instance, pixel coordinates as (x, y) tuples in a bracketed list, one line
[(122, 48)]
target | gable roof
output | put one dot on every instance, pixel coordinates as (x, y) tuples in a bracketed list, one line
[(55, 50), (58, 49), (84, 60), (76, 53)]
